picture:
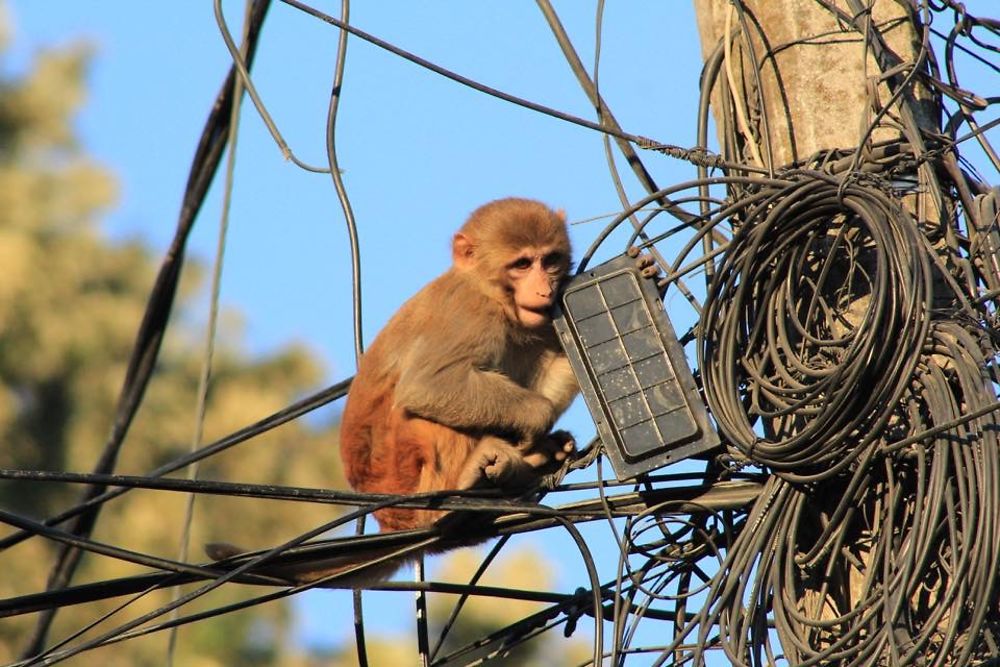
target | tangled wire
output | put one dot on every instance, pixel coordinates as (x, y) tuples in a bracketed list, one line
[(839, 353), (846, 347), (823, 290)]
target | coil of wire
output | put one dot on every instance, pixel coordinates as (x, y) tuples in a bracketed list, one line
[(825, 290)]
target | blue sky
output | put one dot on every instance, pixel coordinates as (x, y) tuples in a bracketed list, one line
[(419, 152)]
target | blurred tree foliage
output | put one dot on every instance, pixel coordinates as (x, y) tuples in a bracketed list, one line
[(70, 304)]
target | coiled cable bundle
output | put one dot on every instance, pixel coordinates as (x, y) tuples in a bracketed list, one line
[(827, 361), (825, 289), (899, 558)]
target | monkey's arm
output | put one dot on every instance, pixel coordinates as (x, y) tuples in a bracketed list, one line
[(556, 381), (453, 385)]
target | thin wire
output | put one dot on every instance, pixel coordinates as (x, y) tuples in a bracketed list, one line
[(696, 155), (477, 575), (149, 337), (420, 603), (605, 115), (352, 232), (600, 107), (761, 99), (738, 103), (338, 181), (204, 379), (244, 73)]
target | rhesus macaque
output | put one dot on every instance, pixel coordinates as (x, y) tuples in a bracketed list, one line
[(462, 387)]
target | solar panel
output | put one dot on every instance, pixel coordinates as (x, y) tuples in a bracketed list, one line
[(631, 368)]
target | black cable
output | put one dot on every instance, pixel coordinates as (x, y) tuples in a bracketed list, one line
[(696, 155), (847, 351), (283, 416)]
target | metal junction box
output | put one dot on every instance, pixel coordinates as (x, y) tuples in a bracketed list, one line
[(631, 368)]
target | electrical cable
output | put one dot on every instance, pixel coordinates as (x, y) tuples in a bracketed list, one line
[(847, 349)]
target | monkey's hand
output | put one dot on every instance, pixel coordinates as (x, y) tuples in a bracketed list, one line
[(547, 453), (644, 262)]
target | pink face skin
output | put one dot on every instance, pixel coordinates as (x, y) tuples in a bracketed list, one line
[(534, 277)]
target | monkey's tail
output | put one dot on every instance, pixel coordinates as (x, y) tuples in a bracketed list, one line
[(355, 570)]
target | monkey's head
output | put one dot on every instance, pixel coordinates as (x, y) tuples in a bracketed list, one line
[(517, 252)]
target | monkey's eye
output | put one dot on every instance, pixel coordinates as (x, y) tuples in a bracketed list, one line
[(521, 264), (553, 261)]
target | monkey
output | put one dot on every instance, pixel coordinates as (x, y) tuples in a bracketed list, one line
[(463, 385)]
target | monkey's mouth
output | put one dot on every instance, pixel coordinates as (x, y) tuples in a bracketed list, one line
[(533, 316)]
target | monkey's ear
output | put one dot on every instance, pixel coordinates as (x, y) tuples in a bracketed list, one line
[(463, 251), (561, 214)]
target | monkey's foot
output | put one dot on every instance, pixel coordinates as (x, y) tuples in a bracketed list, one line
[(495, 462)]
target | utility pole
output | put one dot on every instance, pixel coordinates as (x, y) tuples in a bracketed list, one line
[(876, 552)]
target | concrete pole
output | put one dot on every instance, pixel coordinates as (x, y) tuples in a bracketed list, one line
[(800, 76)]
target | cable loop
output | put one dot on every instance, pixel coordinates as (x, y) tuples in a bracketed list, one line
[(825, 288)]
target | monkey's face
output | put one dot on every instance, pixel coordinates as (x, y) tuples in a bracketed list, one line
[(533, 276)]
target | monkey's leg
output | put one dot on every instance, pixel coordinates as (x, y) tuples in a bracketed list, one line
[(495, 461)]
